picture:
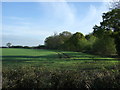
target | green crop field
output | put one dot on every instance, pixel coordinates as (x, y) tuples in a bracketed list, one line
[(55, 59), (38, 68)]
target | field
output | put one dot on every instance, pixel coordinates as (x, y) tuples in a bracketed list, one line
[(26, 63), (55, 59)]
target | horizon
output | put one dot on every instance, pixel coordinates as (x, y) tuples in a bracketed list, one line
[(29, 23)]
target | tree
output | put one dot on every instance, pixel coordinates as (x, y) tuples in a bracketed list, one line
[(57, 41), (104, 43), (64, 36), (115, 4), (111, 21), (116, 35), (8, 45), (104, 46), (98, 31), (90, 41), (76, 42), (51, 42)]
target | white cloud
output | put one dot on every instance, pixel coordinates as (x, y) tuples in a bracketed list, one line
[(60, 12), (24, 30), (89, 17), (59, 17), (24, 35), (65, 14), (94, 16)]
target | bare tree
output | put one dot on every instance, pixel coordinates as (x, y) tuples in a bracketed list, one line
[(8, 45), (115, 4)]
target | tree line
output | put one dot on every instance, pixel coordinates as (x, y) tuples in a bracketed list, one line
[(104, 40), (9, 45)]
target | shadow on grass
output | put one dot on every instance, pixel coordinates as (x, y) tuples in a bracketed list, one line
[(99, 59), (54, 57), (60, 55), (23, 56), (28, 58)]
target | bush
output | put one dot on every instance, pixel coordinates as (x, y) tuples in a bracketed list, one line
[(117, 41), (104, 46), (36, 77)]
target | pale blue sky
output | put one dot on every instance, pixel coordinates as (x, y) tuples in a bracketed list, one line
[(28, 23)]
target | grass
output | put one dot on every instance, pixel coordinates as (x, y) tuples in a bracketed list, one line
[(37, 68), (54, 59)]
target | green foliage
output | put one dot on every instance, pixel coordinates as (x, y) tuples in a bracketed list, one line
[(52, 42), (40, 78), (77, 42), (104, 46), (109, 28), (117, 41), (99, 32), (56, 41), (90, 41), (111, 20), (101, 42), (64, 36)]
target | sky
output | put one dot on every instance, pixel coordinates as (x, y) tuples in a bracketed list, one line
[(29, 23)]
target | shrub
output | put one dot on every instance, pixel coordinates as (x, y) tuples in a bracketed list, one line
[(35, 77)]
